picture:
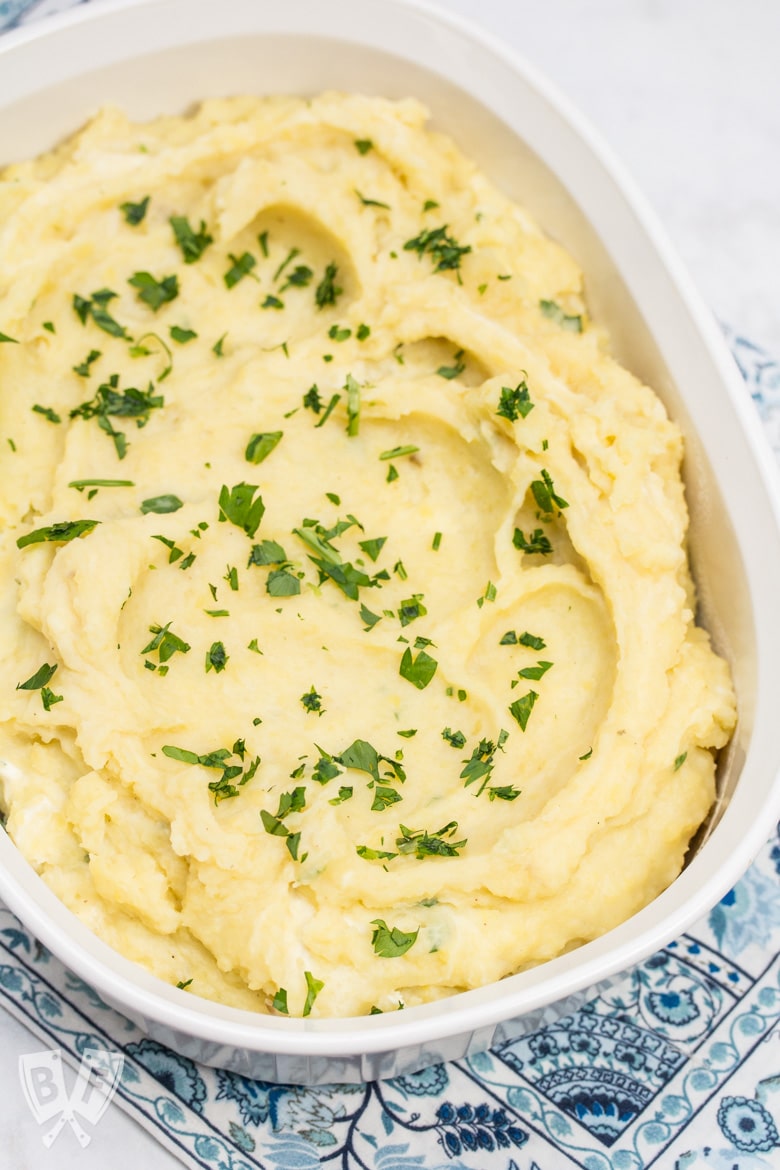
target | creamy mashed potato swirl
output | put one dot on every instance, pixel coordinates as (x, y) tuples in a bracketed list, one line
[(348, 644)]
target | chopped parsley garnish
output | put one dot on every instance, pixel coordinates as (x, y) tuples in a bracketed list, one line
[(192, 243), (234, 775), (545, 495), (509, 639), (424, 844), (261, 445), (445, 251), (183, 984), (335, 399), (368, 617), (329, 562), (398, 452), (162, 504), (134, 213), (94, 306), (141, 350), (680, 760), (48, 698), (231, 576), (312, 701), (553, 310), (279, 1002), (420, 670), (390, 942), (217, 348), (268, 552), (480, 764), (12, 340), (436, 543), (372, 548), (327, 291), (325, 769), (312, 400), (282, 583), (369, 854), (272, 302), (430, 205), (521, 708), (455, 370), (80, 484), (339, 333), (505, 792), (490, 594), (216, 658), (239, 505), (181, 335), (83, 369), (371, 202), (300, 277), (153, 292), (42, 676), (455, 739), (587, 755), (411, 609), (534, 673), (61, 533), (109, 401), (313, 989), (363, 757), (363, 145), (515, 403), (242, 266), (353, 406), (165, 643), (535, 542), (363, 332), (47, 412), (384, 797), (392, 473), (410, 734)]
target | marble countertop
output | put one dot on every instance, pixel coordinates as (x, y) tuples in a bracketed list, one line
[(687, 93)]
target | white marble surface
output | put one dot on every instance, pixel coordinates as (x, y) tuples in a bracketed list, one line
[(687, 93)]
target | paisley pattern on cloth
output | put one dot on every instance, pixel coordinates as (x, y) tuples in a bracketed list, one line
[(677, 1064)]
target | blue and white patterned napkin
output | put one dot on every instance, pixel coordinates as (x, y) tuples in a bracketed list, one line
[(677, 1065)]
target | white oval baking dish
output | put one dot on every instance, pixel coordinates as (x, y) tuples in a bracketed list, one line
[(161, 56)]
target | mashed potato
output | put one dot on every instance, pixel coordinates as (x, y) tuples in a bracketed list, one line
[(348, 655)]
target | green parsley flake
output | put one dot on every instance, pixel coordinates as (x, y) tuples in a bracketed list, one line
[(536, 542), (48, 413), (515, 403), (553, 310), (363, 145), (181, 335), (455, 739), (42, 676), (455, 370), (109, 402), (521, 708), (241, 266), (312, 400), (545, 495), (134, 213), (398, 452), (313, 989), (272, 302), (390, 942), (239, 505), (94, 307), (445, 251), (261, 445), (420, 670), (279, 1002), (327, 292), (162, 504), (165, 643), (534, 673), (192, 243), (353, 406), (153, 292), (216, 658), (83, 369), (422, 844), (61, 533), (312, 702), (678, 763)]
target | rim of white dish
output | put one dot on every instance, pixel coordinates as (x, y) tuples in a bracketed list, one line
[(663, 919)]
